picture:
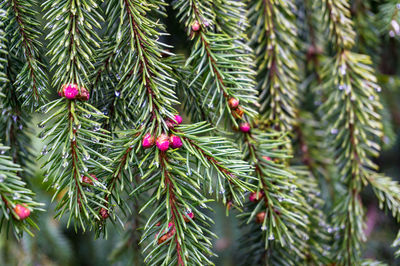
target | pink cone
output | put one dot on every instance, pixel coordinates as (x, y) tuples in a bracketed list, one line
[(244, 127), (162, 142), (255, 196), (22, 211), (148, 141), (70, 91), (178, 119), (175, 141), (196, 26)]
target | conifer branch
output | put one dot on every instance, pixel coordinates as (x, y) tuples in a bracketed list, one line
[(14, 130), (353, 106), (273, 37), (212, 58), (172, 174), (389, 18), (23, 32), (76, 169), (230, 18), (140, 51), (73, 39), (3, 52), (17, 201), (276, 206)]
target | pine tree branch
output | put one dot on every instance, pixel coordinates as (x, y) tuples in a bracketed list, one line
[(15, 196), (274, 40), (24, 39), (175, 183), (218, 154), (352, 105), (215, 60), (14, 127), (278, 206), (3, 52), (74, 160), (389, 18), (73, 39)]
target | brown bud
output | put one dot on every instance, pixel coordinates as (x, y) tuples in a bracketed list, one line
[(168, 235), (191, 217), (88, 180), (104, 213), (260, 217), (238, 112), (256, 196), (163, 238), (233, 103)]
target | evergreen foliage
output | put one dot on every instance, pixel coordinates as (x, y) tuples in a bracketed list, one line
[(152, 113)]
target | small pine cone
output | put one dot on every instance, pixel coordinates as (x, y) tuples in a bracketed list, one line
[(191, 216), (175, 141), (83, 95), (267, 158), (238, 113), (171, 123), (168, 235), (104, 213), (178, 119), (148, 141), (22, 211), (233, 103), (196, 26), (245, 127), (256, 196), (70, 91), (163, 238), (229, 205), (162, 142), (260, 217)]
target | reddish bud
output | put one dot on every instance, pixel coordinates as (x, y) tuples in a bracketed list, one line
[(22, 211), (162, 142), (191, 216), (255, 196), (178, 119), (171, 123), (233, 103), (238, 112), (104, 213), (84, 94), (245, 127), (70, 91), (148, 141), (267, 158), (88, 180), (164, 238), (196, 26), (175, 141), (260, 217), (168, 235)]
